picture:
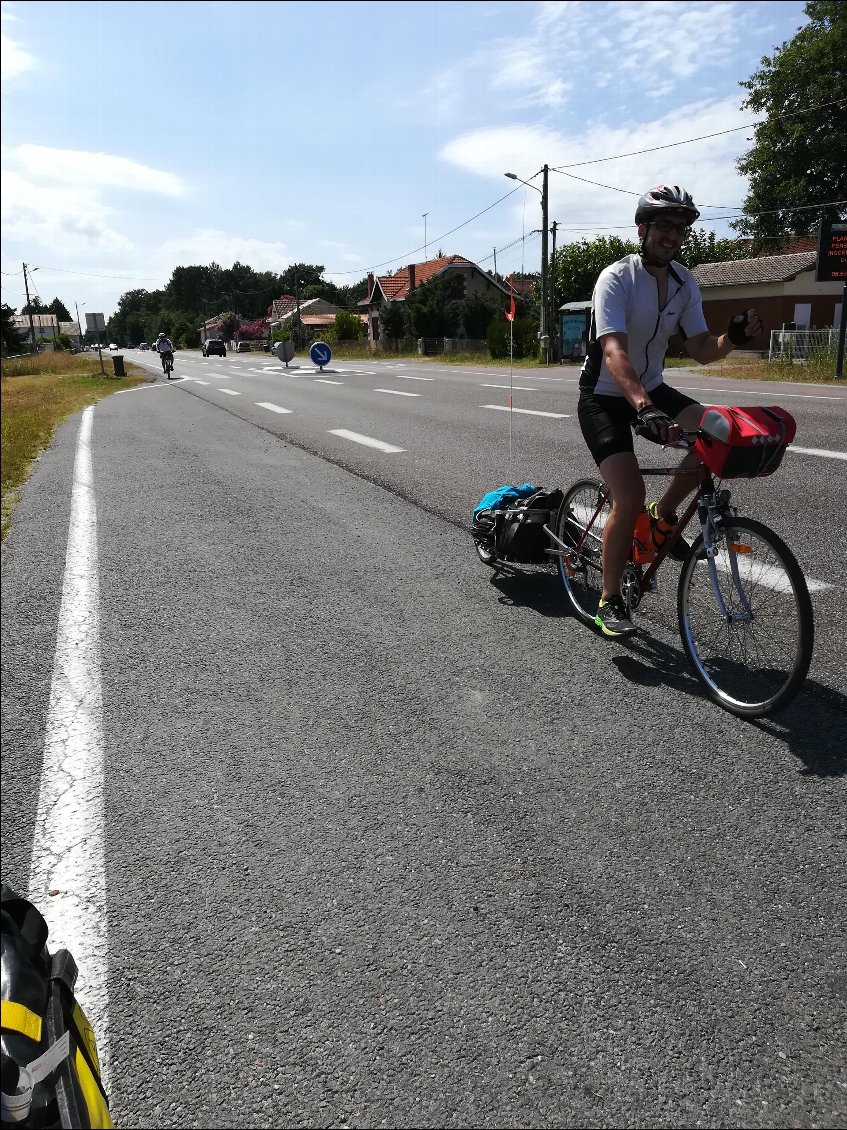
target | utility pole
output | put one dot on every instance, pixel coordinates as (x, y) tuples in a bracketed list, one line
[(544, 340), (554, 321), (495, 262), (29, 311)]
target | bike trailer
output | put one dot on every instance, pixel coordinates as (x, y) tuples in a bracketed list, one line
[(50, 1069), (508, 524), (744, 443)]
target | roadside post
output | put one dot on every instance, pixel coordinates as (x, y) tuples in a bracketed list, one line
[(96, 323), (832, 267), (321, 354)]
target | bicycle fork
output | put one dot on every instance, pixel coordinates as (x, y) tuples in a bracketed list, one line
[(713, 510)]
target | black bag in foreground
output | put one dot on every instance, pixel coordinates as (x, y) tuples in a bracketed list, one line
[(516, 531), (50, 1069)]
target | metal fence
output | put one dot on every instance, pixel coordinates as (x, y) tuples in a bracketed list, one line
[(798, 345)]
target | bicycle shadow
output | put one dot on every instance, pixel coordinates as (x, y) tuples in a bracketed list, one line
[(521, 587), (813, 726)]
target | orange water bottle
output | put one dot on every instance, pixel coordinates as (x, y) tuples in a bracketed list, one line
[(643, 551)]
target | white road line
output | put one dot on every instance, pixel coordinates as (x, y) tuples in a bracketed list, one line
[(824, 454), (68, 839), (527, 411), (272, 407), (515, 388), (197, 381), (408, 377), (324, 381), (389, 448), (771, 576), (396, 392), (229, 392), (772, 396)]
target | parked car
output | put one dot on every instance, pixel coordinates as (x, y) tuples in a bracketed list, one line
[(113, 347), (243, 347), (214, 347), (144, 345)]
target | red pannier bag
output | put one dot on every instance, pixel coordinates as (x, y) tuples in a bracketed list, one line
[(744, 443)]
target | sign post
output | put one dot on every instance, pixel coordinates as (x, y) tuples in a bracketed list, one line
[(96, 323), (321, 354), (832, 267)]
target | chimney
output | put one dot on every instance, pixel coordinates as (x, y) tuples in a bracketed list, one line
[(370, 286), (411, 277)]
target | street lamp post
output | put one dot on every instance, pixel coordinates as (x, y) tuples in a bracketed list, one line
[(543, 338)]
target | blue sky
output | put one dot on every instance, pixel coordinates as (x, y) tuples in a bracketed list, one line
[(142, 136)]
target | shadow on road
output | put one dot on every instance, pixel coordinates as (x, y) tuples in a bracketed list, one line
[(813, 726)]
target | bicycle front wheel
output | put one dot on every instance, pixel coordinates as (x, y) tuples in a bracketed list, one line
[(753, 654), (579, 525)]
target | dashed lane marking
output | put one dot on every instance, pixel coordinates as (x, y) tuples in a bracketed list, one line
[(527, 411), (272, 407), (396, 392), (368, 441)]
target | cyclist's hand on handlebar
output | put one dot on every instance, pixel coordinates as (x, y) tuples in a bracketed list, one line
[(654, 425)]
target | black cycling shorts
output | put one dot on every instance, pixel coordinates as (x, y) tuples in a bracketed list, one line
[(606, 421)]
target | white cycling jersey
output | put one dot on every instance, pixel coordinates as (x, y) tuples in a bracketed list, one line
[(626, 300), (164, 345)]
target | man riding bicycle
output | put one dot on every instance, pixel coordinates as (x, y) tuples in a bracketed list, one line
[(637, 304), (166, 351)]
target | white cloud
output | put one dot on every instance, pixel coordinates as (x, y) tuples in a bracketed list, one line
[(570, 48), (14, 60), (100, 170), (210, 245), (706, 168)]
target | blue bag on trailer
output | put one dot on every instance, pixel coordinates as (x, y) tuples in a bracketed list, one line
[(502, 497)]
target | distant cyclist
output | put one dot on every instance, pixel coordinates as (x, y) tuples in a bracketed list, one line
[(166, 349), (638, 303)]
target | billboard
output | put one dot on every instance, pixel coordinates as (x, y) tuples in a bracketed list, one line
[(832, 252), (95, 323)]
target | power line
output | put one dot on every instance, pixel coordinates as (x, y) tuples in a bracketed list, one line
[(702, 137)]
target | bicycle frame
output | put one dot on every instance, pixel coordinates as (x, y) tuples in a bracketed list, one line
[(705, 490)]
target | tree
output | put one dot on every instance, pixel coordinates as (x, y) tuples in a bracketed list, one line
[(348, 327), (577, 265), (798, 158), (705, 247), (228, 326), (435, 308), (35, 306), (477, 313), (13, 340), (392, 320), (58, 308)]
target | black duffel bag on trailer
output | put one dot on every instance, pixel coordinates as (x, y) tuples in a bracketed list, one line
[(517, 531), (50, 1069)]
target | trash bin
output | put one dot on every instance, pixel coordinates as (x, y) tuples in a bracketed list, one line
[(118, 362)]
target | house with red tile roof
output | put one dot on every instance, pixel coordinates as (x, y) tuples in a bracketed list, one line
[(398, 286)]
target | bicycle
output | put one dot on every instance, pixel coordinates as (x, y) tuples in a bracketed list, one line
[(743, 606), (167, 364)]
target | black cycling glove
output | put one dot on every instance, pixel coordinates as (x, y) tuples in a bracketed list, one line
[(737, 331), (653, 424)]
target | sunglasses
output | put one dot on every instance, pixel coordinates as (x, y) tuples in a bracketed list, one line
[(668, 226)]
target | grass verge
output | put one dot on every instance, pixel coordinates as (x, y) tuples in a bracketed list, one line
[(36, 394)]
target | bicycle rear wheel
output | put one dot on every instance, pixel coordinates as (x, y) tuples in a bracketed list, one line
[(581, 569), (753, 660)]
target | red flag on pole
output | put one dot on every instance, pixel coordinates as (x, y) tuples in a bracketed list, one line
[(510, 313)]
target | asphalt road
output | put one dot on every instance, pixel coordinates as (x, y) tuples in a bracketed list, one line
[(388, 841)]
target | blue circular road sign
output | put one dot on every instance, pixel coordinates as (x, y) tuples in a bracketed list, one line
[(320, 353)]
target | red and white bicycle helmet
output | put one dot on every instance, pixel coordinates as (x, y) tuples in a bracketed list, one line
[(666, 200)]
